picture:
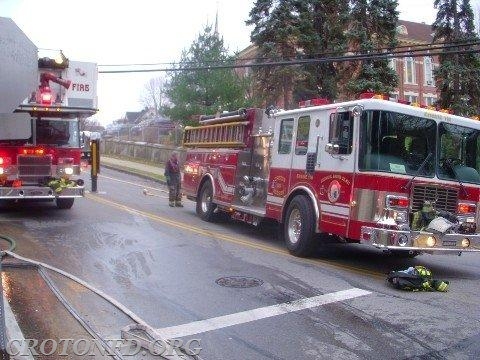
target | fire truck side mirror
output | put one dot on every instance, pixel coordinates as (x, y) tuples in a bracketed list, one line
[(332, 149)]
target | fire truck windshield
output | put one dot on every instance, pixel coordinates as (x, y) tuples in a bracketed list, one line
[(57, 132), (459, 153), (396, 143)]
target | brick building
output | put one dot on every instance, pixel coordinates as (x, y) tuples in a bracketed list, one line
[(415, 75), (416, 82)]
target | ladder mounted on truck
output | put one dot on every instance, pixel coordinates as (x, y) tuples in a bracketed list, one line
[(215, 131)]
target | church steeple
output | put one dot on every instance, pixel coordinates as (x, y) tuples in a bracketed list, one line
[(216, 22)]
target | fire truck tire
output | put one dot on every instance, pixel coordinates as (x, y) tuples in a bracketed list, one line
[(205, 206), (65, 203), (299, 226)]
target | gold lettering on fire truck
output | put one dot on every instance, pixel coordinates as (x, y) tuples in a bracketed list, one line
[(278, 185), (335, 176), (304, 177), (435, 116)]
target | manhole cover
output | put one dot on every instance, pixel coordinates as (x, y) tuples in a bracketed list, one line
[(238, 282)]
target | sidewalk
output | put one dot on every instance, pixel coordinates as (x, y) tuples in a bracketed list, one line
[(140, 169)]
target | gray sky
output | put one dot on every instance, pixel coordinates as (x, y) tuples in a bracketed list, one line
[(140, 31)]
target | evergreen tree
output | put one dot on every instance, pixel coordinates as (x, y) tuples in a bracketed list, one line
[(276, 35), (372, 27), (322, 31), (204, 91), (458, 76)]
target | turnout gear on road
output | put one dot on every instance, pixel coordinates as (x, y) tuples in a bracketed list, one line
[(417, 278)]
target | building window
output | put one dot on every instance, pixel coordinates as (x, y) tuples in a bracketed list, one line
[(429, 100), (412, 99), (428, 67), (392, 64), (410, 70)]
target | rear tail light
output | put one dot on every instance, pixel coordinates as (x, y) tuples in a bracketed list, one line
[(4, 163)]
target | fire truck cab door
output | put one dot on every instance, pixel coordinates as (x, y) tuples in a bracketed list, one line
[(281, 159), (335, 168), (338, 153), (290, 152)]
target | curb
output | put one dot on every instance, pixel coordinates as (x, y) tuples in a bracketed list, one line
[(14, 333), (133, 172)]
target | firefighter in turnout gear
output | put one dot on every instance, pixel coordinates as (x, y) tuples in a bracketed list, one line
[(173, 177), (422, 218)]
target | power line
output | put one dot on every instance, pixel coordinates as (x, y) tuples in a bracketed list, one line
[(465, 42), (311, 61)]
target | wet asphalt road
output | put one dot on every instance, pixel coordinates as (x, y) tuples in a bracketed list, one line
[(163, 263)]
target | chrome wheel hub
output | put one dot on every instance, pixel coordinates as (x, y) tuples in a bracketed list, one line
[(294, 226), (206, 201)]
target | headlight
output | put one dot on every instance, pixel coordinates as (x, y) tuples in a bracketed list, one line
[(402, 240), (68, 171), (430, 241), (465, 243), (425, 241)]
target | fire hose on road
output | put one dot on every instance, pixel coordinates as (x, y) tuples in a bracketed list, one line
[(148, 193), (166, 350)]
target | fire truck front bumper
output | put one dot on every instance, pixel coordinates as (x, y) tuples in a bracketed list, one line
[(39, 192), (420, 241)]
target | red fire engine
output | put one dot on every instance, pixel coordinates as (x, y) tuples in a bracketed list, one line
[(40, 141), (401, 178)]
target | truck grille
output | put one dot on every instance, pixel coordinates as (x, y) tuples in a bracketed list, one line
[(444, 198), (34, 169)]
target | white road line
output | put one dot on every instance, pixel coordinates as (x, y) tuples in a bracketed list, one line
[(220, 322), (134, 184)]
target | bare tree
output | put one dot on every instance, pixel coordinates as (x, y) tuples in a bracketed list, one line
[(153, 94), (89, 124)]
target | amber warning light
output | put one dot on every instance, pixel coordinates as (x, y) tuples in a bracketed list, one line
[(32, 151)]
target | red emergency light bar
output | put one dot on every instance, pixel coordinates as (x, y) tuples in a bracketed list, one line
[(313, 102), (372, 95)]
